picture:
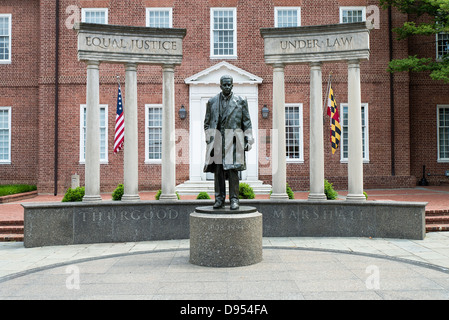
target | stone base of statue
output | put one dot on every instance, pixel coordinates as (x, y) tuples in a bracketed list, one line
[(225, 238)]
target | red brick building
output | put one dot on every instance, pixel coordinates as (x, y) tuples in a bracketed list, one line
[(406, 116)]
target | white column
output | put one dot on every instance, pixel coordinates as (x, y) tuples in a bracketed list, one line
[(131, 154), (92, 157), (316, 134), (279, 166), (168, 135), (355, 151)]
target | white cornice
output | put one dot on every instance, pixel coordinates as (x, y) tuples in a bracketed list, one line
[(213, 74)]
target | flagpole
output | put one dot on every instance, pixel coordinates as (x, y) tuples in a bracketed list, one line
[(120, 117), (330, 86), (327, 92)]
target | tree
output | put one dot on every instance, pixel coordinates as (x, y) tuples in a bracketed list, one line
[(437, 12)]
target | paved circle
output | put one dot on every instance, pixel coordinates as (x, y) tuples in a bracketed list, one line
[(285, 273)]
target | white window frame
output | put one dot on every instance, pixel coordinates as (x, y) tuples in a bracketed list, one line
[(439, 159), (83, 138), (9, 16), (84, 10), (159, 9), (342, 9), (212, 11), (147, 132), (8, 161), (366, 139), (301, 134), (438, 57), (277, 9)]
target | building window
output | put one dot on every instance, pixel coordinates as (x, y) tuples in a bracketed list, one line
[(287, 17), (443, 133), (95, 15), (5, 38), (223, 33), (344, 129), (159, 18), (442, 44), (103, 134), (153, 133), (294, 133), (352, 14), (5, 135)]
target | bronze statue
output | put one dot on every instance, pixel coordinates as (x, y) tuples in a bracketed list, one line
[(228, 135)]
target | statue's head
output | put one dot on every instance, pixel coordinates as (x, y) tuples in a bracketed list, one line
[(226, 84)]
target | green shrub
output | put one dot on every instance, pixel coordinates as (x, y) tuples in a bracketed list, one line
[(158, 194), (9, 189), (331, 194), (73, 195), (245, 191), (365, 194), (203, 196), (290, 193), (118, 193)]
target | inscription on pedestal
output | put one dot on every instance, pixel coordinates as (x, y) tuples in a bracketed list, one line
[(92, 215), (304, 214)]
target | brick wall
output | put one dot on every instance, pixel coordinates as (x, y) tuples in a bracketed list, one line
[(425, 95), (19, 84), (30, 85)]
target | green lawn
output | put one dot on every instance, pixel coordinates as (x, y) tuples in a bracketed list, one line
[(8, 189)]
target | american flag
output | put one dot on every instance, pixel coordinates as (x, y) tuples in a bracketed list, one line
[(119, 124)]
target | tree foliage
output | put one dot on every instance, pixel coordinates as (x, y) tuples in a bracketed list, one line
[(437, 12)]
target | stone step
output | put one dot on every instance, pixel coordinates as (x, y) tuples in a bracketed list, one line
[(11, 223), (431, 213), (11, 230), (11, 237), (437, 227), (437, 219)]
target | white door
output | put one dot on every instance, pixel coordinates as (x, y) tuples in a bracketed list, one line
[(208, 175)]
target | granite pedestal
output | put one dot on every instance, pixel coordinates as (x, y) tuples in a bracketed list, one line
[(225, 238)]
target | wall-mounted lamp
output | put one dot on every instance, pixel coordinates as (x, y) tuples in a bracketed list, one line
[(182, 113), (265, 112)]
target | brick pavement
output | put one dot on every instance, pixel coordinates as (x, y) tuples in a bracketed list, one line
[(436, 196)]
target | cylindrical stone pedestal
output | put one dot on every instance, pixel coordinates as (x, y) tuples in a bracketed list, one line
[(225, 238)]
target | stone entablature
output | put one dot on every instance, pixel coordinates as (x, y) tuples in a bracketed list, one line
[(123, 44), (317, 43), (130, 46)]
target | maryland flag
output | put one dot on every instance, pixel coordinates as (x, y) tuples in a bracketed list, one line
[(332, 112)]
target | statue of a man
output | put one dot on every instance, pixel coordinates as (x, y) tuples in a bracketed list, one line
[(228, 135)]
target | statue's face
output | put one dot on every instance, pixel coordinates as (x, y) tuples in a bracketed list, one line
[(226, 86)]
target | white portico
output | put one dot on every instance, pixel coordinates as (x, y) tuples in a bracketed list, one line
[(203, 86), (129, 46)]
